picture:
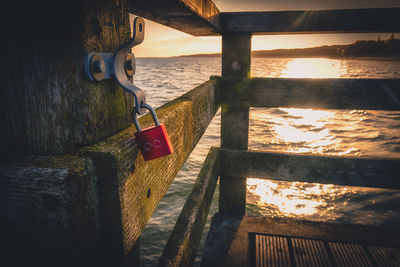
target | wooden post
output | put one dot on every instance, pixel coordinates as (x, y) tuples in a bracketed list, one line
[(236, 50), (49, 107), (47, 104)]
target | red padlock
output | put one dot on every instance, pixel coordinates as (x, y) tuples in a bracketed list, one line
[(153, 142)]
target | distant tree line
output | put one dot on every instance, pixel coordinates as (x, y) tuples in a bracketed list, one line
[(383, 48), (364, 48)]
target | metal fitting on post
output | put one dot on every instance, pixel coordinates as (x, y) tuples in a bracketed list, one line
[(130, 65), (120, 65), (97, 67)]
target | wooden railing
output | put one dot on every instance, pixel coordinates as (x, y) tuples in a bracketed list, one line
[(98, 200), (137, 188), (130, 189), (232, 163), (233, 166)]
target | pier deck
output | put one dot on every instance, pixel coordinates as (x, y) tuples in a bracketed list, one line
[(259, 241)]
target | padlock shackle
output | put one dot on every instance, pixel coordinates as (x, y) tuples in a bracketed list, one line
[(152, 112)]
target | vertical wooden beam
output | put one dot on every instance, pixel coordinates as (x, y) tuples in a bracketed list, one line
[(236, 50), (47, 104)]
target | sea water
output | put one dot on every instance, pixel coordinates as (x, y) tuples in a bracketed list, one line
[(320, 132)]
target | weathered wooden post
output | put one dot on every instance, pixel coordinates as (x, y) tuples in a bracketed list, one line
[(236, 48), (49, 200), (48, 106)]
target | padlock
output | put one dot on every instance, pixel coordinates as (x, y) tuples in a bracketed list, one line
[(153, 142)]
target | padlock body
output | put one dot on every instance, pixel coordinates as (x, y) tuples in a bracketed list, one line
[(154, 142)]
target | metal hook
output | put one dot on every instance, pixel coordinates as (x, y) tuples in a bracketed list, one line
[(120, 56)]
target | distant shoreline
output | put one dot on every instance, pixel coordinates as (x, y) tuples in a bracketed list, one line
[(381, 58), (366, 50)]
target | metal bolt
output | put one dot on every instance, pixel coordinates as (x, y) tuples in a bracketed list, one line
[(99, 66), (129, 65)]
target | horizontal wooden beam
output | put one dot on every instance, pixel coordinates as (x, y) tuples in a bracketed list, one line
[(185, 238), (322, 21), (129, 188), (49, 212), (368, 172), (195, 17), (202, 18), (376, 94)]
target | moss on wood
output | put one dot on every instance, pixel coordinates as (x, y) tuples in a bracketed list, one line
[(48, 105), (349, 171), (185, 237), (124, 176), (381, 94)]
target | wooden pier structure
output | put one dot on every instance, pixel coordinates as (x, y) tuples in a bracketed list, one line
[(75, 191)]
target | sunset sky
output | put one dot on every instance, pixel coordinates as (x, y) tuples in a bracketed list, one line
[(161, 41)]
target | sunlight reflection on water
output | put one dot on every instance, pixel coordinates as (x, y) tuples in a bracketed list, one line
[(327, 132), (314, 68)]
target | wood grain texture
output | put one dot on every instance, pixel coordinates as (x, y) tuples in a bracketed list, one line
[(49, 211), (378, 94), (129, 188), (236, 58), (228, 240), (186, 235), (195, 17), (236, 61), (368, 172), (312, 21), (47, 104)]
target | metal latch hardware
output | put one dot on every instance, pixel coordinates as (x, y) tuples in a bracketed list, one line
[(120, 65)]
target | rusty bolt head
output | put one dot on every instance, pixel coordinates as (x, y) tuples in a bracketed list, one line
[(130, 65), (99, 66)]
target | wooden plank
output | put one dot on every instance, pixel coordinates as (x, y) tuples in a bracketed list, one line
[(385, 256), (236, 60), (271, 251), (309, 252), (375, 20), (195, 17), (130, 188), (236, 55), (370, 172), (268, 249), (349, 254), (49, 212), (379, 94), (47, 104), (186, 235), (229, 240)]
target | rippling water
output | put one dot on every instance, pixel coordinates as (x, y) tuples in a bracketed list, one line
[(328, 132)]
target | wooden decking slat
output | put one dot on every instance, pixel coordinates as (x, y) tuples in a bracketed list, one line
[(271, 251), (260, 241), (385, 256), (275, 250), (349, 254)]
